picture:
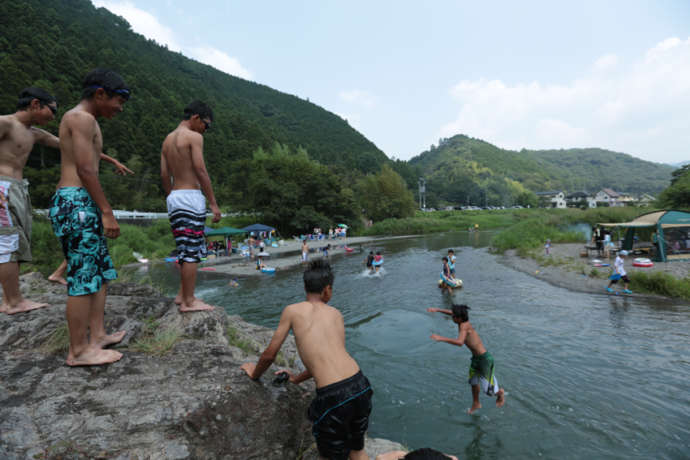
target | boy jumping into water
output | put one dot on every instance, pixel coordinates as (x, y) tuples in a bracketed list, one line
[(81, 216), (482, 364), (187, 186), (340, 411)]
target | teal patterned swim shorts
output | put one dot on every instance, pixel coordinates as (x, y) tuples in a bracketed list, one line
[(77, 223)]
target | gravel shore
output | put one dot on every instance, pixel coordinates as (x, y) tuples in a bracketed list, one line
[(565, 267)]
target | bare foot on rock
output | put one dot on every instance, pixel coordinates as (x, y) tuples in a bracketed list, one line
[(195, 305), (501, 398), (94, 357), (57, 279), (178, 299), (475, 407), (110, 339), (24, 305)]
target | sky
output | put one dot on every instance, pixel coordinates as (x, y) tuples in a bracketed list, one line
[(529, 74)]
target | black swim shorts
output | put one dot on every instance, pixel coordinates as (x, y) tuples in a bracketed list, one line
[(340, 416)]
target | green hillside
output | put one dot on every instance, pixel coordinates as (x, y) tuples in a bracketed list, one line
[(465, 170), (54, 43)]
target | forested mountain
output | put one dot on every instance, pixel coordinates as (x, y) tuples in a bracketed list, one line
[(55, 43), (462, 169)]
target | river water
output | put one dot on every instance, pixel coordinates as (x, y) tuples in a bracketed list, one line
[(586, 376)]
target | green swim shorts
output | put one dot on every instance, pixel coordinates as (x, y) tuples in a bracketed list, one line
[(77, 223), (482, 373), (15, 221)]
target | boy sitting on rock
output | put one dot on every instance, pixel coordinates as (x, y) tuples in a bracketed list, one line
[(340, 411)]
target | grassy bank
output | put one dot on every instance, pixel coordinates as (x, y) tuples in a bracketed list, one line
[(536, 226), (444, 221)]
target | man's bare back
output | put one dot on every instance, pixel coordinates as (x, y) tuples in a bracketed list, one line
[(178, 152), (320, 336)]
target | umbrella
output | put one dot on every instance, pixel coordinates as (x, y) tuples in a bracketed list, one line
[(342, 226)]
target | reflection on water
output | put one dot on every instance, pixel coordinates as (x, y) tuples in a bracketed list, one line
[(587, 376)]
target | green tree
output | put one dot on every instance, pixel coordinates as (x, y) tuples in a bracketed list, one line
[(385, 195), (677, 195)]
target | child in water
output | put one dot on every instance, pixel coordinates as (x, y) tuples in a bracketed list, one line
[(451, 262), (482, 364), (378, 261), (370, 261), (547, 246)]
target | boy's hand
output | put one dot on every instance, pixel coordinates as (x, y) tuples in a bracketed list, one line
[(249, 369), (436, 337), (285, 371), (121, 169), (216, 213), (432, 310), (110, 227)]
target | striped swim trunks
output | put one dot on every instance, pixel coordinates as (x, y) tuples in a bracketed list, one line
[(187, 214)]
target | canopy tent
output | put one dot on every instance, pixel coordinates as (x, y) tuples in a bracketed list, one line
[(672, 230), (223, 231), (258, 228)]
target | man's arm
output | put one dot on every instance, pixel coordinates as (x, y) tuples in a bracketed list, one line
[(83, 130), (269, 355), (120, 168), (165, 174), (460, 341), (197, 146), (45, 138), (439, 310)]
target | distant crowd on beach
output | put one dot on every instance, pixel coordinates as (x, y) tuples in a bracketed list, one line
[(82, 219)]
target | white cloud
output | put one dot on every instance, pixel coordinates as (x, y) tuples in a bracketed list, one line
[(142, 22), (148, 25), (358, 97), (639, 108), (220, 60)]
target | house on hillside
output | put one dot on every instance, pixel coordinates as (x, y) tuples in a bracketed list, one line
[(580, 200), (552, 199), (607, 197), (645, 200)]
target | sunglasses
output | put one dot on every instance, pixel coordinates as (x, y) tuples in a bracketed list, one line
[(124, 93), (52, 108)]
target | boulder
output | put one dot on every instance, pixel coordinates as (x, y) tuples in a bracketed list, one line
[(178, 392)]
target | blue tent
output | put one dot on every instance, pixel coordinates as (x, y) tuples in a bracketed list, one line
[(258, 228)]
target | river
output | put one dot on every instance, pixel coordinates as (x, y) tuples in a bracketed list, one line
[(586, 376)]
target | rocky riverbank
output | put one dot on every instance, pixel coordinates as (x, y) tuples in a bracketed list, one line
[(178, 393), (565, 267)]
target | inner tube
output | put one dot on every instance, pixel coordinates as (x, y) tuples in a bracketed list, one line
[(377, 263), (642, 262), (207, 269), (454, 283), (268, 270), (348, 249)]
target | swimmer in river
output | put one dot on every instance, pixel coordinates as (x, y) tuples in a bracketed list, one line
[(482, 364)]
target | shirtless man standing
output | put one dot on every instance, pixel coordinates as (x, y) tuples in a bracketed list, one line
[(340, 411), (17, 139), (81, 215), (184, 177)]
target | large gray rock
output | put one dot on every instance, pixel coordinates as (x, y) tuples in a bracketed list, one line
[(191, 402)]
